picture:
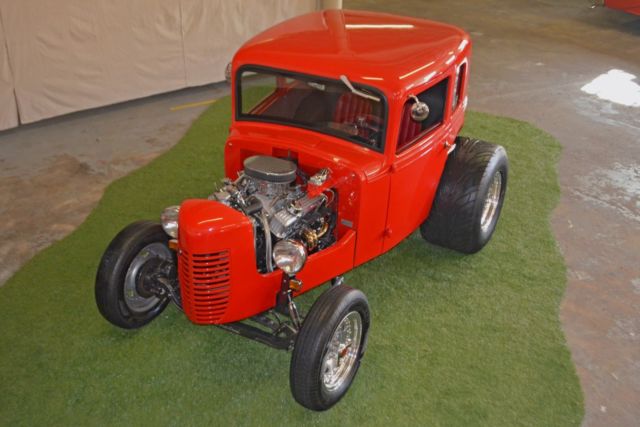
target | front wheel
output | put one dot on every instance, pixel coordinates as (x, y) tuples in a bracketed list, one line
[(329, 348), (123, 292)]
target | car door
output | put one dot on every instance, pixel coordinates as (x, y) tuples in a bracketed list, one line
[(421, 153)]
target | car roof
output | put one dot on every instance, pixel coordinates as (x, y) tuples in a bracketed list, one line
[(393, 53)]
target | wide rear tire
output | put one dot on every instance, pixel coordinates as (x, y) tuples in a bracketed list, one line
[(329, 348), (469, 198)]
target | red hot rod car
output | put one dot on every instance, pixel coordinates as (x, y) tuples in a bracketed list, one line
[(629, 6), (344, 140)]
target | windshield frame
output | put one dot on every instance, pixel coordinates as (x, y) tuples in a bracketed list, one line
[(239, 116)]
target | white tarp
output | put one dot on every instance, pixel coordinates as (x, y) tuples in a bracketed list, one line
[(8, 108), (215, 29), (70, 55)]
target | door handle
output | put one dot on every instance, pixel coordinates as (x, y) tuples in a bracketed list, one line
[(449, 146)]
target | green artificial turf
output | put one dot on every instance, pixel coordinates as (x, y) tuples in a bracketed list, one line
[(455, 340)]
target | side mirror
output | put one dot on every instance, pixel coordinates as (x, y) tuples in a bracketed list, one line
[(227, 73), (419, 110)]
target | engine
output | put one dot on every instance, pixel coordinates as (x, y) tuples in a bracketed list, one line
[(269, 192)]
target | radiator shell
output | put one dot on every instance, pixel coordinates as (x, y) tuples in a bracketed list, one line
[(219, 281)]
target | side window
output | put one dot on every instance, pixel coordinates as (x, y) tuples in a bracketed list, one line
[(457, 95), (410, 130)]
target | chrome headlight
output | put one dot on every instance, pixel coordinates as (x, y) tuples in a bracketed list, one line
[(169, 219), (289, 256)]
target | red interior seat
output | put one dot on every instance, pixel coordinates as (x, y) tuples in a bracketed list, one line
[(349, 107), (409, 128)]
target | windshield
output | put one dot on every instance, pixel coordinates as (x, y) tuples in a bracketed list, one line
[(315, 103)]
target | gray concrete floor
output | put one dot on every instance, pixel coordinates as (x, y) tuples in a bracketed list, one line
[(53, 173), (530, 60)]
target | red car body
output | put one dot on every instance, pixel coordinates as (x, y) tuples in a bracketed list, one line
[(383, 196), (630, 6)]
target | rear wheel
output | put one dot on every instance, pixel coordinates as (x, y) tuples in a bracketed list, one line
[(123, 292), (329, 348), (469, 198)]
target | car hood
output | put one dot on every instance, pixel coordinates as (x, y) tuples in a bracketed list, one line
[(310, 148)]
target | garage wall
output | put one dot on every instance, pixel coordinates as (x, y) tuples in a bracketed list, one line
[(210, 42), (71, 55)]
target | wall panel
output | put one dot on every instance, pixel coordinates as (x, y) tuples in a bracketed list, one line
[(8, 108), (71, 55), (214, 30)]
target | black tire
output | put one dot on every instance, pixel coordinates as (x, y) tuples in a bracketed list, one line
[(456, 218), (138, 308), (312, 344)]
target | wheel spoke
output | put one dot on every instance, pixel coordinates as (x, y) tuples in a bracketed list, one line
[(341, 354)]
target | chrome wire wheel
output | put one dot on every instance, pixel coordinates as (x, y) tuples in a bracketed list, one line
[(342, 352), (135, 301), (329, 348), (491, 202)]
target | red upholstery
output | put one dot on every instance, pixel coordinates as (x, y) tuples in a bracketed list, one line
[(409, 128), (349, 107)]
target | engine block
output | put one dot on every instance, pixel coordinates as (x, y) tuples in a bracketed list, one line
[(279, 207)]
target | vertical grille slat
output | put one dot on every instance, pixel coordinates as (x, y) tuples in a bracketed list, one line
[(205, 284)]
